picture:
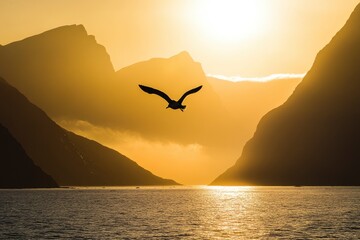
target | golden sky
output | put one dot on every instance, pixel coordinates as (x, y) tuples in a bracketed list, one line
[(257, 39), (248, 38)]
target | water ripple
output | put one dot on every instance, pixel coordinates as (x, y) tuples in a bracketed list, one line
[(181, 213)]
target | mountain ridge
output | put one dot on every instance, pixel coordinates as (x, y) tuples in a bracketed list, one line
[(312, 139), (64, 155), (72, 89), (56, 64)]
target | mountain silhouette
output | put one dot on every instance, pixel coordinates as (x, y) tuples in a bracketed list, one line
[(17, 169), (66, 73), (58, 70), (313, 138), (174, 75), (70, 159)]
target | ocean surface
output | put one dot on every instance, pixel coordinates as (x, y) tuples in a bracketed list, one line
[(181, 213)]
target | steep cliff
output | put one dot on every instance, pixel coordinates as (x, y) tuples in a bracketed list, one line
[(314, 137)]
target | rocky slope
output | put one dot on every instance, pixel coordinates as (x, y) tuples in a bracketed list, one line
[(70, 159)]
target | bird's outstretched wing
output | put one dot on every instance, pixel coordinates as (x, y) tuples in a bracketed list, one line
[(155, 91), (194, 90)]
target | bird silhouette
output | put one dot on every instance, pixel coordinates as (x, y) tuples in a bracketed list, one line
[(172, 103)]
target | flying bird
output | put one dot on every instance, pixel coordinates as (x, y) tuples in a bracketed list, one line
[(172, 103)]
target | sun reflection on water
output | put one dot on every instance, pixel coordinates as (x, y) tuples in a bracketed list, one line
[(181, 212), (227, 202), (229, 188)]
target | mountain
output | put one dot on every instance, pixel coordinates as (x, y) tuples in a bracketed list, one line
[(60, 70), (70, 76), (17, 169), (313, 138), (70, 159), (174, 75), (65, 72)]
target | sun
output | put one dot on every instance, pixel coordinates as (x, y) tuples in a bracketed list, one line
[(231, 20)]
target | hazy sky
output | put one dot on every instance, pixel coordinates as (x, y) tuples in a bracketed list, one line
[(249, 38), (261, 39)]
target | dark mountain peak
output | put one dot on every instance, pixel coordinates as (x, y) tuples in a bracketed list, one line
[(183, 56), (56, 63), (67, 29), (72, 27), (356, 13), (338, 63), (179, 61), (312, 139), (71, 42), (174, 75), (343, 46), (63, 33), (180, 64)]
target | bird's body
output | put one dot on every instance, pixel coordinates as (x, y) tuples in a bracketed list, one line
[(175, 105), (171, 103)]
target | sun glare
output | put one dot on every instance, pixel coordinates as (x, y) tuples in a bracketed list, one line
[(231, 20)]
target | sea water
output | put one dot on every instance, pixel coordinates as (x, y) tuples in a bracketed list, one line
[(181, 213)]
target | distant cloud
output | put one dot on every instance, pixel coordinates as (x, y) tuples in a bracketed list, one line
[(271, 77)]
